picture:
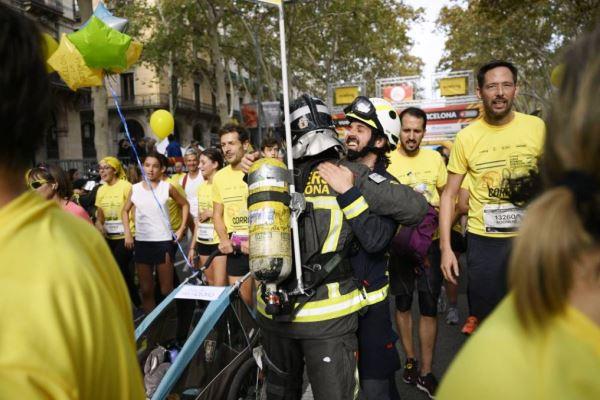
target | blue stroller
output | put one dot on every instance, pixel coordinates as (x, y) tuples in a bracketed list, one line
[(220, 359)]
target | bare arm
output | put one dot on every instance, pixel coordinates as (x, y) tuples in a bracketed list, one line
[(185, 210), (125, 218), (192, 249), (100, 220), (248, 160), (224, 242), (205, 215), (449, 263), (462, 205)]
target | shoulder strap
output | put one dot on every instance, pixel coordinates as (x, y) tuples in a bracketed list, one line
[(326, 270), (185, 177)]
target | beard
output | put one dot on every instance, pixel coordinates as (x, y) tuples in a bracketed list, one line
[(353, 155), (497, 115), (413, 151)]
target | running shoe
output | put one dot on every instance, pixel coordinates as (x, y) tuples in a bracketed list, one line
[(470, 325), (411, 371), (427, 384), (452, 316)]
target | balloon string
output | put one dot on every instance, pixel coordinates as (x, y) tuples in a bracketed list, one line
[(139, 163)]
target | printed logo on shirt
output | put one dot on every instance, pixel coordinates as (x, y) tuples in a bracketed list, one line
[(316, 185)]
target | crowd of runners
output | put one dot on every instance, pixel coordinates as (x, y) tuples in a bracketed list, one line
[(517, 195)]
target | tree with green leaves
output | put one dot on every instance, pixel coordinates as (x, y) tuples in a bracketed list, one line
[(328, 41), (531, 34)]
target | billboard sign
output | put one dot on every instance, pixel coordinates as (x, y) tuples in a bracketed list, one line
[(398, 93), (345, 95), (456, 86), (444, 122)]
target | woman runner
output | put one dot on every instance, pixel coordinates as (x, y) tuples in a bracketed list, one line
[(153, 244), (207, 240), (53, 183), (110, 199)]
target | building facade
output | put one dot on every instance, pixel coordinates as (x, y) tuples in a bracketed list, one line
[(70, 138)]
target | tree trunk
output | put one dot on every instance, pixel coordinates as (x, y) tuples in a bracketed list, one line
[(101, 134), (172, 79), (217, 61)]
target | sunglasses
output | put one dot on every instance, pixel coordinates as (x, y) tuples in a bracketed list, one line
[(37, 184), (363, 108)]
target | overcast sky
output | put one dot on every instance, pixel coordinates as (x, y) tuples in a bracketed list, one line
[(428, 42)]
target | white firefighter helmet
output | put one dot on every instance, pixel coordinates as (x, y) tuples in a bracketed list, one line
[(377, 113)]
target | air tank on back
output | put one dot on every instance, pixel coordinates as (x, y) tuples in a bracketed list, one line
[(269, 222)]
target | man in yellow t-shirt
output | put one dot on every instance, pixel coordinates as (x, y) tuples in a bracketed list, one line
[(230, 209), (503, 145), (67, 327), (423, 170)]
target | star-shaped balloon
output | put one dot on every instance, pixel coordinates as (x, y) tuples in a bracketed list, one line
[(133, 54), (50, 46), (102, 13), (71, 66), (101, 46)]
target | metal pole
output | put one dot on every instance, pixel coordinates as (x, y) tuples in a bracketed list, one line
[(258, 84), (288, 139)]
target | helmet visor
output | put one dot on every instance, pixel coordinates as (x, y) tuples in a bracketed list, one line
[(363, 110)]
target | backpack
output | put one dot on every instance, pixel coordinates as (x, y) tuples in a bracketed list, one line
[(414, 242), (157, 363)]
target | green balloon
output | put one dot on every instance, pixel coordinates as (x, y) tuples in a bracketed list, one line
[(101, 46)]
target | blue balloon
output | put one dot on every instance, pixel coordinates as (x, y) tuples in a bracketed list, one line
[(102, 13)]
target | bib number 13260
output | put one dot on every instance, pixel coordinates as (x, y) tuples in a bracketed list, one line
[(502, 218)]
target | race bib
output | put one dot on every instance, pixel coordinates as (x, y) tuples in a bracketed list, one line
[(206, 231), (114, 227), (502, 218)]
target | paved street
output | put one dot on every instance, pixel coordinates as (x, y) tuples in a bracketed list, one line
[(449, 341)]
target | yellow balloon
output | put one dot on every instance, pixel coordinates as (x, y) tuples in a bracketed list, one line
[(162, 123), (557, 75), (133, 55), (71, 67), (50, 46)]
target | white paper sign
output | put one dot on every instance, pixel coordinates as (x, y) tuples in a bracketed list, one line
[(197, 292)]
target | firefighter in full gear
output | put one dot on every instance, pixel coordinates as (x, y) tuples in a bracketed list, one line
[(319, 328)]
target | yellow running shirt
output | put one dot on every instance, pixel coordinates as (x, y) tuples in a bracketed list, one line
[(67, 328), (425, 172), (229, 189), (502, 361), (175, 213), (489, 155), (111, 199), (206, 229)]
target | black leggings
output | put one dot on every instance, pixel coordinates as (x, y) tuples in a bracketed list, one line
[(124, 256)]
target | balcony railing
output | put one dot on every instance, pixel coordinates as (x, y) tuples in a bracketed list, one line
[(43, 6), (150, 101)]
